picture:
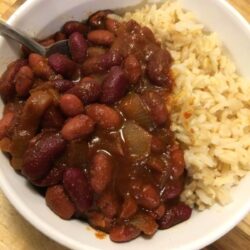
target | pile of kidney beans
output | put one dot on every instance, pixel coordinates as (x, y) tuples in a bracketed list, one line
[(93, 131)]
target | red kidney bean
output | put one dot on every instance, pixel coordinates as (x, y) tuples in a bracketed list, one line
[(100, 171), (52, 118), (101, 63), (149, 197), (87, 90), (78, 47), (146, 195), (99, 221), (177, 160), (33, 110), (104, 116), (149, 50), (95, 51), (158, 68), (157, 145), (115, 86), (40, 66), (149, 34), (7, 84), (155, 163), (5, 124), (60, 36), (129, 208), (62, 65), (92, 65), (62, 85), (54, 177), (24, 80), (77, 187), (158, 212), (145, 223), (124, 233), (101, 37), (108, 204), (173, 189), (156, 107), (97, 19), (59, 202), (71, 105), (41, 152), (77, 127), (112, 25), (132, 69), (74, 26), (110, 59), (175, 215)]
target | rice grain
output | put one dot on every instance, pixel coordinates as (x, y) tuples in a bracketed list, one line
[(211, 114)]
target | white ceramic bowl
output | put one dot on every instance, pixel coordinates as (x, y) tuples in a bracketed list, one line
[(40, 18)]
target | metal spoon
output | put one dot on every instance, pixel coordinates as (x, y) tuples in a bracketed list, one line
[(20, 37)]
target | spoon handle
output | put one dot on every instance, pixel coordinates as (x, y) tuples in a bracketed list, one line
[(22, 38)]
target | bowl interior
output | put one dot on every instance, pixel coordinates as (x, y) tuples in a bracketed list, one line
[(39, 19)]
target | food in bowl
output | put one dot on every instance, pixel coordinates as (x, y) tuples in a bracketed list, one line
[(211, 104), (93, 130), (202, 191)]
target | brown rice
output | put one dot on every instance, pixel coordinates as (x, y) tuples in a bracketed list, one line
[(211, 116)]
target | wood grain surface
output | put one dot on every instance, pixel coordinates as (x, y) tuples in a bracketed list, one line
[(18, 234)]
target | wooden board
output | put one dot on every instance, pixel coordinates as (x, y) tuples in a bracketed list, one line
[(18, 234)]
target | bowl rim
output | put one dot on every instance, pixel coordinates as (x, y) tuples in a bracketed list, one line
[(60, 238)]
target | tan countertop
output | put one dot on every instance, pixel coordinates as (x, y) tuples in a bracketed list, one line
[(17, 234)]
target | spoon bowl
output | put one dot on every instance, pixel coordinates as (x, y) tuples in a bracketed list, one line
[(22, 38)]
